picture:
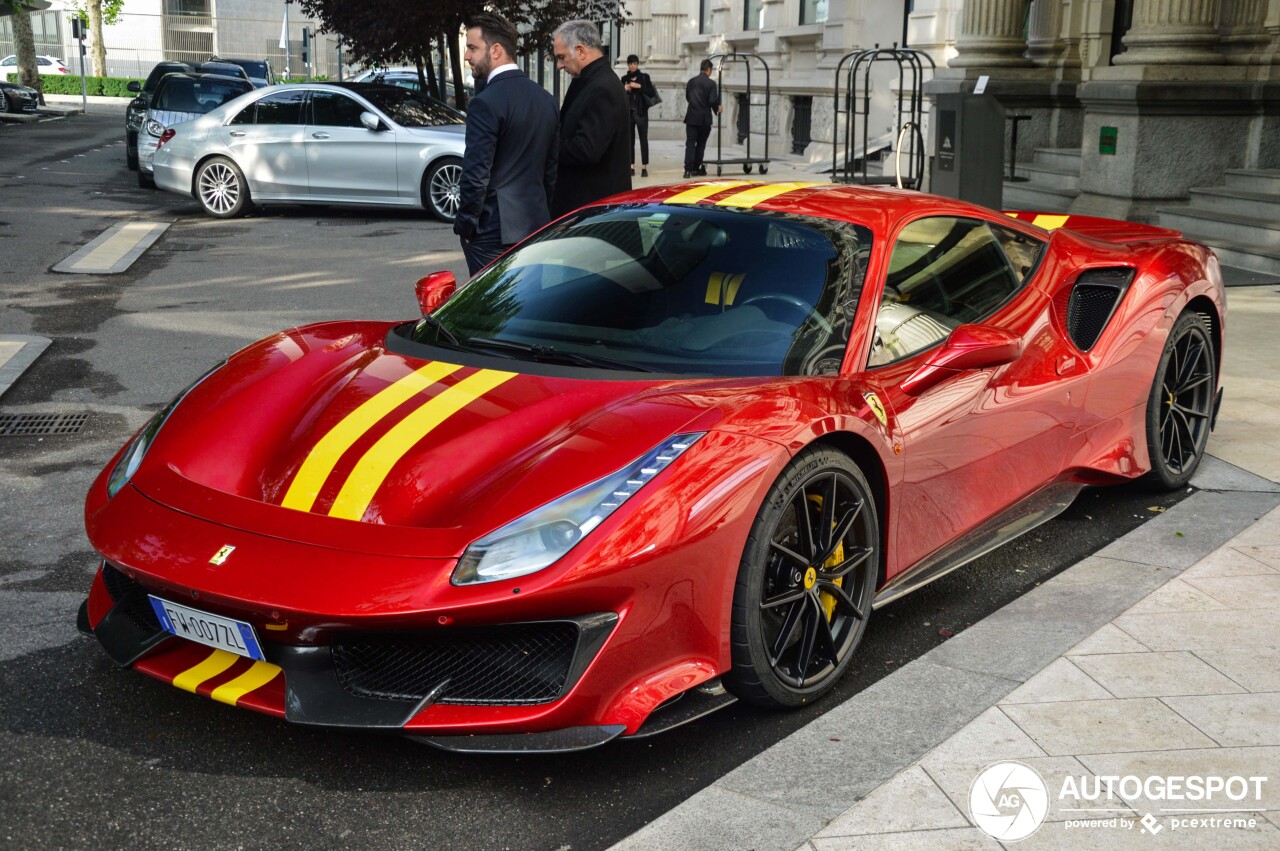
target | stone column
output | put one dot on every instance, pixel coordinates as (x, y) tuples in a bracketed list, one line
[(991, 34), (1044, 29), (1172, 32), (1243, 33)]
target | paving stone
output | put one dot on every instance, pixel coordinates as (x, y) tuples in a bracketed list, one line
[(1108, 639), (1060, 681), (1053, 837), (970, 839), (1105, 726), (1243, 592), (716, 819), (1155, 674), (1192, 529), (1224, 630), (1268, 555), (1229, 561), (1233, 720), (1177, 596), (1216, 474), (956, 779), (1221, 762), (991, 737), (1255, 668), (909, 801)]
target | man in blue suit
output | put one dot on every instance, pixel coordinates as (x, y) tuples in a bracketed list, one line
[(509, 168)]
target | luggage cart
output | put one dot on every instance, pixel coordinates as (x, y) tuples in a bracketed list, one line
[(850, 164), (748, 161)]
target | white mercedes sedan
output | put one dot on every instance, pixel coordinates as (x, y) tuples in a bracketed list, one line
[(318, 143)]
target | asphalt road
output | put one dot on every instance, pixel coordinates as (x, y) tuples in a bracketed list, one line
[(108, 758)]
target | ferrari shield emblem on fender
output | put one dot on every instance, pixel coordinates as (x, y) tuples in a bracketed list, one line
[(876, 407), (222, 555)]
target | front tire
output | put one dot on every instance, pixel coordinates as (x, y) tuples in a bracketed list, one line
[(1180, 406), (442, 188), (221, 188), (131, 151), (805, 583)]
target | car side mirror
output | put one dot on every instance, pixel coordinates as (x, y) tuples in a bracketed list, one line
[(134, 86), (969, 347), (370, 121), (434, 289)]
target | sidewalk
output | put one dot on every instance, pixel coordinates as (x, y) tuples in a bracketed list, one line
[(1159, 656)]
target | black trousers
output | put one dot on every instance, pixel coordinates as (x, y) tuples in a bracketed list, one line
[(640, 124), (695, 145), (482, 251)]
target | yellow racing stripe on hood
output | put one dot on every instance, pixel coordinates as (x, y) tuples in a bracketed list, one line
[(325, 455), (761, 193), (372, 469), (704, 190)]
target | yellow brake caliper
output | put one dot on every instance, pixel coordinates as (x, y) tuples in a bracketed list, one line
[(828, 599)]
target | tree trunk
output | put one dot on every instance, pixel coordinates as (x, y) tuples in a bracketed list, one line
[(99, 49), (429, 81), (24, 45), (455, 62)]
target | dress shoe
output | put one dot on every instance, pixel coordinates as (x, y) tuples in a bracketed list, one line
[(688, 174), (702, 171), (644, 172)]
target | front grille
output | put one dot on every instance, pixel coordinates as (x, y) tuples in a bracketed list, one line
[(519, 664), (131, 598)]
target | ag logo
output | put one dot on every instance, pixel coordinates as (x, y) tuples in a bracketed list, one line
[(1009, 801), (222, 555)]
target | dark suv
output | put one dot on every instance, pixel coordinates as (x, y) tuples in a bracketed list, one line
[(137, 109), (258, 70)]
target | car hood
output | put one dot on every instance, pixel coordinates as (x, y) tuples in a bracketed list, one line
[(326, 425), (448, 131)]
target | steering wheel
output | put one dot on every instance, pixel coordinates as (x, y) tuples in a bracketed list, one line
[(786, 298)]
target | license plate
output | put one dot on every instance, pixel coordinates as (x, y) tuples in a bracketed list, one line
[(203, 628)]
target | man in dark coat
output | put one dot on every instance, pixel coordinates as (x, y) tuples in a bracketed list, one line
[(595, 122), (704, 104), (639, 90), (509, 167)]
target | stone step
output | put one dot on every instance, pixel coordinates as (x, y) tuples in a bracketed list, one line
[(1212, 227), (1254, 179), (1240, 202), (1046, 176), (1065, 159), (1248, 257), (1030, 196)]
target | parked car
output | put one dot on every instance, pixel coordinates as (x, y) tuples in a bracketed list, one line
[(179, 98), (136, 111), (682, 443), (328, 143), (226, 69), (16, 98), (258, 70), (406, 78), (44, 64)]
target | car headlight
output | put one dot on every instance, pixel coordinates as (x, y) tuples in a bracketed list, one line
[(137, 448), (543, 536), (154, 128)]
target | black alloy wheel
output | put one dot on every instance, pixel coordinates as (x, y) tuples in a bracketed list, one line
[(805, 583), (1180, 407)]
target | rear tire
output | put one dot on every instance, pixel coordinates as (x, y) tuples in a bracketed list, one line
[(1180, 406), (221, 190), (145, 180), (805, 583), (442, 188), (131, 151)]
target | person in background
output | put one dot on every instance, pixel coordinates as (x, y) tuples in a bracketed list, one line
[(639, 90), (509, 167), (595, 122), (704, 104)]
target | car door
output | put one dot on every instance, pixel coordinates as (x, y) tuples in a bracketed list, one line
[(266, 141), (979, 440), (346, 161)]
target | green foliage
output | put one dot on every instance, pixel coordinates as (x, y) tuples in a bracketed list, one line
[(110, 10), (318, 78), (69, 84)]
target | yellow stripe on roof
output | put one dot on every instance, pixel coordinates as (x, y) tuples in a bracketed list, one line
[(1049, 222), (761, 193), (704, 190), (325, 455), (215, 663), (256, 677), (358, 491)]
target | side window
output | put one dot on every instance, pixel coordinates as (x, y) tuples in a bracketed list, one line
[(330, 109), (943, 273), (282, 108)]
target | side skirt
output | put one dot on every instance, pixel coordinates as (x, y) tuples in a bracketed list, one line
[(1039, 508)]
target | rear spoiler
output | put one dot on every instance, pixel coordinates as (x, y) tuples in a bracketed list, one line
[(1111, 230)]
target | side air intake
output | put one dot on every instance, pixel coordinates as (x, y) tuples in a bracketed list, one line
[(1093, 302)]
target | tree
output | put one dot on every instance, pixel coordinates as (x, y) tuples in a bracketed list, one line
[(385, 32), (96, 13), (24, 43)]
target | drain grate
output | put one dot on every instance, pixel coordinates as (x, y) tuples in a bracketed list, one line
[(24, 425)]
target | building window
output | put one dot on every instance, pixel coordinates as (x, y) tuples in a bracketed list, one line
[(813, 11), (753, 11), (704, 16)]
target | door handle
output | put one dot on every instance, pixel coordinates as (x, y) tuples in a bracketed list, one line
[(237, 133), (319, 135)]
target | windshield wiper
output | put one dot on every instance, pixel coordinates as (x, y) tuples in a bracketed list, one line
[(550, 354), (441, 331)]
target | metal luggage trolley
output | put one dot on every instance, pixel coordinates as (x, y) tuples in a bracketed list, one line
[(852, 166), (748, 161)]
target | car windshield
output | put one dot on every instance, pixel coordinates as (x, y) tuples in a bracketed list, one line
[(158, 72), (198, 95), (409, 109), (669, 289)]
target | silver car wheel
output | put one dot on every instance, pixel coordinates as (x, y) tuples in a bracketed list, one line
[(446, 190), (219, 189)]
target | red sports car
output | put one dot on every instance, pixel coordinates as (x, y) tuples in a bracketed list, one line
[(670, 451)]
